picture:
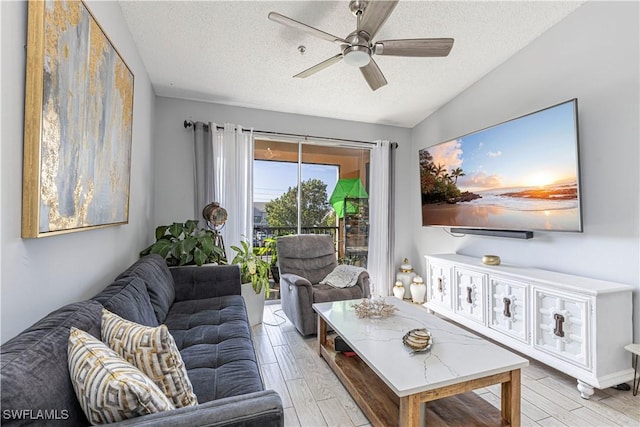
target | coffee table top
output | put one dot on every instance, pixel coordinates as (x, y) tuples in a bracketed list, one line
[(456, 355)]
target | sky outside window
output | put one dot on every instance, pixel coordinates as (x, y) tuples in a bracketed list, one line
[(272, 179)]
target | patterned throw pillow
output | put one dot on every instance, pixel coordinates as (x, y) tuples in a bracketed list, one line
[(110, 389), (153, 351)]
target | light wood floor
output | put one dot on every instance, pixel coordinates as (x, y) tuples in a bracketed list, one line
[(312, 395)]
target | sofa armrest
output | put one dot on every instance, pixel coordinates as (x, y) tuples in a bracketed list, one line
[(205, 282), (263, 408)]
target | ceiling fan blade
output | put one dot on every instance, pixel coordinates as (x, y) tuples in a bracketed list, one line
[(281, 19), (319, 67), (373, 75), (375, 15), (414, 47)]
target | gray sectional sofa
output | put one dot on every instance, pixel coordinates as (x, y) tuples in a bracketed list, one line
[(204, 312)]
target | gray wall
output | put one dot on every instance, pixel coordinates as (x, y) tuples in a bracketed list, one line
[(40, 275), (592, 55), (174, 155)]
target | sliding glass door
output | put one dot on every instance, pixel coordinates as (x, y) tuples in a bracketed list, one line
[(301, 188)]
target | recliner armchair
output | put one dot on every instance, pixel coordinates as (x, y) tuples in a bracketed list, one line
[(304, 260)]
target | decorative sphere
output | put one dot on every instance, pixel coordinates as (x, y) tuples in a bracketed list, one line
[(215, 214)]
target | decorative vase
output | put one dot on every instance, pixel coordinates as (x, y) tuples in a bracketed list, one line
[(406, 276), (398, 290), (418, 290), (254, 303)]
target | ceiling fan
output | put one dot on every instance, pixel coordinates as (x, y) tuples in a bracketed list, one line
[(358, 47)]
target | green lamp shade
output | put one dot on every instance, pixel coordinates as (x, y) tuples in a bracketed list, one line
[(347, 187)]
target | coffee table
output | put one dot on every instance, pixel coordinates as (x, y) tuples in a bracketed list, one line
[(390, 384)]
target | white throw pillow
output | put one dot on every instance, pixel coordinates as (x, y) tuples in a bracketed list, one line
[(152, 350), (109, 388)]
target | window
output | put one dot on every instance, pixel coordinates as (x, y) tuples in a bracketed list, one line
[(293, 185)]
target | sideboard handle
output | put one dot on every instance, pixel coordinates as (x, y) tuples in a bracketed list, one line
[(469, 291), (440, 284), (557, 331), (506, 312)]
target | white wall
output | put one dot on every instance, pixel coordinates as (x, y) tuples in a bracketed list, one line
[(40, 275), (592, 55), (174, 155)]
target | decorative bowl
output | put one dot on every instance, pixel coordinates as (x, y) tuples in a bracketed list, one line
[(418, 340), (491, 260)]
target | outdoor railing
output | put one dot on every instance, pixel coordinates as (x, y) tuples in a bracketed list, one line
[(260, 232)]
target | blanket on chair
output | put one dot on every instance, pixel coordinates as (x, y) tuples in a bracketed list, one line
[(343, 276)]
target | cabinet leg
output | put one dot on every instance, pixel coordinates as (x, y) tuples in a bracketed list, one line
[(586, 391)]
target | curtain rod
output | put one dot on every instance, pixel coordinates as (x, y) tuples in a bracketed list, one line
[(189, 123)]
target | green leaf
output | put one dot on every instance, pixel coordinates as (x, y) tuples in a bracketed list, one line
[(206, 244), (146, 251), (190, 226), (175, 229), (162, 247), (199, 256), (188, 245), (185, 258), (160, 231), (176, 249)]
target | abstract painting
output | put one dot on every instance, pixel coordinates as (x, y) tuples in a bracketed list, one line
[(78, 123)]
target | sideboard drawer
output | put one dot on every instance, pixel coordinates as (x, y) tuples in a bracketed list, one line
[(470, 294), (439, 284), (508, 307), (561, 326)]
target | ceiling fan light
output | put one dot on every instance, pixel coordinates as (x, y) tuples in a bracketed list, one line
[(356, 57)]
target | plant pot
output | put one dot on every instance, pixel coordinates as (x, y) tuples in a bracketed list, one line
[(254, 303), (275, 273)]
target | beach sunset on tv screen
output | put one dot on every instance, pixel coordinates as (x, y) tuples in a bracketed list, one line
[(518, 175)]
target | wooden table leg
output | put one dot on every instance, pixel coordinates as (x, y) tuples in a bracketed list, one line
[(322, 334), (511, 399), (409, 411)]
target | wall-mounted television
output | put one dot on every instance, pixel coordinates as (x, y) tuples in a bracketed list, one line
[(522, 174)]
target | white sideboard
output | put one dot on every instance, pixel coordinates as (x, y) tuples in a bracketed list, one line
[(574, 324)]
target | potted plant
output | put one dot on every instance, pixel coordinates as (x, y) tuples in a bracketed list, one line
[(270, 248), (185, 244), (254, 273)]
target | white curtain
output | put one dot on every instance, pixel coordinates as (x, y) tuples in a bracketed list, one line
[(379, 263), (224, 174), (233, 181)]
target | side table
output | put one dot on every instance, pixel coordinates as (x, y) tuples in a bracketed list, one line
[(635, 349)]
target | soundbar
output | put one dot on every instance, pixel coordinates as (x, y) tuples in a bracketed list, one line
[(514, 234)]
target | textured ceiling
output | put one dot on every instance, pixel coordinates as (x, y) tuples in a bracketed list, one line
[(230, 53)]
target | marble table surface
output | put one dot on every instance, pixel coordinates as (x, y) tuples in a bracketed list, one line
[(456, 355)]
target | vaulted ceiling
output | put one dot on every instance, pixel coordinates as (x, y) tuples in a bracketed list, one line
[(228, 52)]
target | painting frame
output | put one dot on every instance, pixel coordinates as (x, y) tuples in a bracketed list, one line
[(78, 123)]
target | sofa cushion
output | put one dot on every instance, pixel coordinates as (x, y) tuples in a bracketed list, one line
[(153, 270), (129, 299), (154, 352), (214, 339), (109, 388), (34, 370)]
